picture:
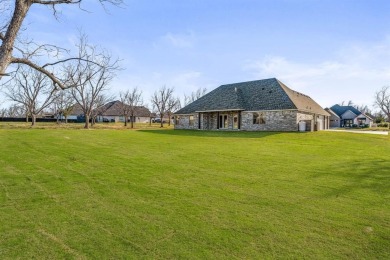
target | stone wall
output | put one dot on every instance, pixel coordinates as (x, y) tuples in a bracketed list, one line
[(212, 120), (284, 120), (183, 122)]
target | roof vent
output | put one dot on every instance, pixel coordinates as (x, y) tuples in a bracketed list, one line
[(235, 89)]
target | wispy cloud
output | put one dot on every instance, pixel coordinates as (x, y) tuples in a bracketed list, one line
[(184, 40), (358, 69)]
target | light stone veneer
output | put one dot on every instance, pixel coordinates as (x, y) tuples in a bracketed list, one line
[(283, 120)]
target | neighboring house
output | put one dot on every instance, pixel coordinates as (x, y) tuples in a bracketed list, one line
[(75, 114), (261, 105), (347, 116), (334, 120), (112, 112)]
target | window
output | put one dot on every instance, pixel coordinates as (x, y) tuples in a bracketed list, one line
[(258, 118), (191, 120), (177, 122), (223, 121), (255, 118), (261, 119)]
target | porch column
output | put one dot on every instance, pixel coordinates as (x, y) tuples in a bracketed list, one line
[(217, 120), (199, 120), (239, 120)]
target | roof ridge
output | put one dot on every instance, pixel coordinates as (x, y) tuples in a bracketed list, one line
[(284, 87), (250, 81)]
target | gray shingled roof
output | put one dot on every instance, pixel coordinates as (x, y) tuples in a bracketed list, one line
[(77, 110), (114, 108), (266, 94), (339, 110)]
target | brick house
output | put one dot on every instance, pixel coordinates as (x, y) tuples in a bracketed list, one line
[(261, 105)]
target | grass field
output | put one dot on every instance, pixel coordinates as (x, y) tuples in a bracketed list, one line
[(68, 193)]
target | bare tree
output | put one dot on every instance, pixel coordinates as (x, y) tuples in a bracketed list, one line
[(13, 15), (151, 112), (173, 106), (160, 100), (99, 107), (125, 109), (63, 104), (194, 95), (363, 108), (382, 100), (33, 90), (131, 100), (3, 112), (15, 110), (91, 79)]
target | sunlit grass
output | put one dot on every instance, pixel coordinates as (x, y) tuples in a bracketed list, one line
[(192, 194), (61, 125)]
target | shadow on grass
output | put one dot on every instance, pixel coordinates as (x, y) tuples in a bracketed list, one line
[(205, 133), (372, 175)]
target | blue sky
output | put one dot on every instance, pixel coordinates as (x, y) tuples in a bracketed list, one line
[(332, 50)]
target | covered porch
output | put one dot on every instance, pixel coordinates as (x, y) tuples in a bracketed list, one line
[(219, 120)]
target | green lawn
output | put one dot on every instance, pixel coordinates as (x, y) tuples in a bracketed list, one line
[(99, 194)]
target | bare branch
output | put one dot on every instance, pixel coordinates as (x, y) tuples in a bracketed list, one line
[(160, 100), (56, 81), (32, 90), (10, 35), (90, 79), (55, 2), (382, 100)]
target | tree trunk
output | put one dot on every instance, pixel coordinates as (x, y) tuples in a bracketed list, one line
[(126, 118), (131, 123), (33, 119), (20, 11), (169, 120), (388, 120), (66, 119), (150, 121), (162, 121), (86, 126)]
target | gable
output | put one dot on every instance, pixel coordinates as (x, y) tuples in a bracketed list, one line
[(348, 115), (304, 102), (331, 112), (364, 116)]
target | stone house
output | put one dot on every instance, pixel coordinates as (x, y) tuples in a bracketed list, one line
[(347, 116), (261, 105)]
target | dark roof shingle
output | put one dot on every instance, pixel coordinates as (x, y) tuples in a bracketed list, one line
[(339, 110), (266, 94)]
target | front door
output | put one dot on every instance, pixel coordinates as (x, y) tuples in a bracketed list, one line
[(235, 121)]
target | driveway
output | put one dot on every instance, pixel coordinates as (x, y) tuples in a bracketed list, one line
[(360, 132)]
